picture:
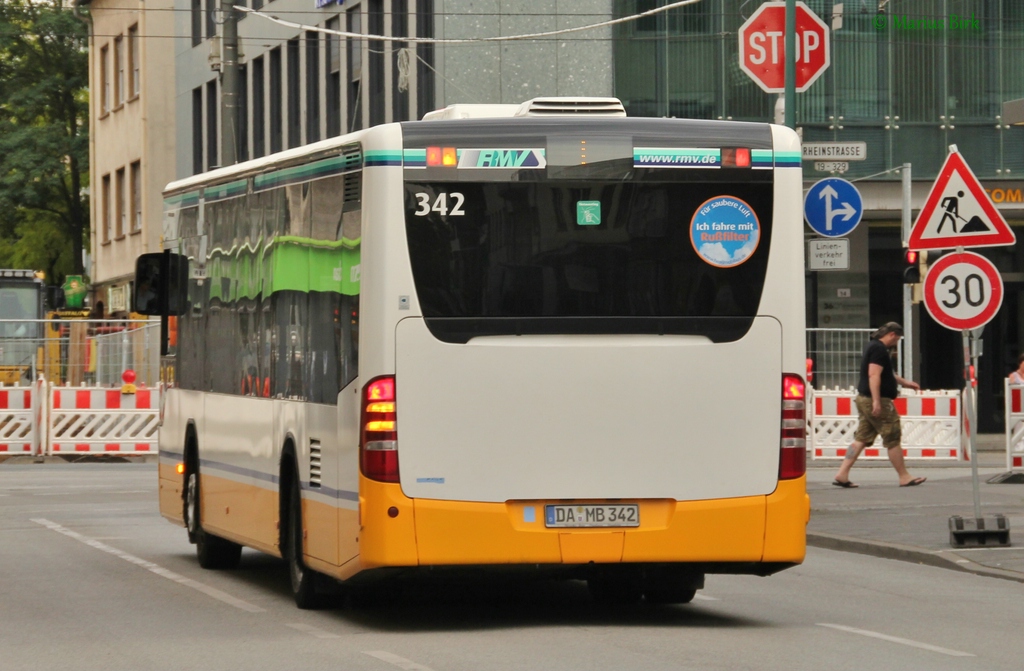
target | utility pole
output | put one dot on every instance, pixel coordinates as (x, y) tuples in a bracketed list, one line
[(790, 95), (229, 84)]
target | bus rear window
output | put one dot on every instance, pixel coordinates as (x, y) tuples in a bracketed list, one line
[(557, 256)]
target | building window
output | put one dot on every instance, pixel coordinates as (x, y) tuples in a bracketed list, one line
[(136, 186), (211, 26), (355, 70), (256, 4), (399, 28), (119, 81), (312, 87), (197, 22), (375, 26), (294, 102), (105, 79), (258, 120), (242, 116), (106, 208), (425, 63), (276, 126), (332, 85), (211, 125), (197, 130), (133, 61), (119, 194)]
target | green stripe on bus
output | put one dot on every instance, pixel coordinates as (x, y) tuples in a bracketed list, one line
[(180, 198), (325, 167), (288, 263), (236, 188)]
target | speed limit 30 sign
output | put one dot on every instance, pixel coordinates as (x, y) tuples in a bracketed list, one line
[(963, 291)]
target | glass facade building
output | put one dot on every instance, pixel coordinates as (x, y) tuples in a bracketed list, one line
[(908, 78), (909, 81)]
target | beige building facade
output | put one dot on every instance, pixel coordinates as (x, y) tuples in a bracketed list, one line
[(131, 138)]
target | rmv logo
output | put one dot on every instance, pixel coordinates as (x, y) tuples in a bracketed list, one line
[(506, 158)]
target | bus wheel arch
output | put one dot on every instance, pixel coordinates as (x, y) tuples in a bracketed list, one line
[(213, 552), (302, 578)]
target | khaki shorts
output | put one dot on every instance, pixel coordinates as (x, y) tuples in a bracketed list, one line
[(886, 425)]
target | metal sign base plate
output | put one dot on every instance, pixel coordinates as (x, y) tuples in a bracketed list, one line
[(989, 531)]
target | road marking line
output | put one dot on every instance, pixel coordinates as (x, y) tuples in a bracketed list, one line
[(395, 660), (895, 639), (150, 566), (704, 597), (990, 549), (312, 631)]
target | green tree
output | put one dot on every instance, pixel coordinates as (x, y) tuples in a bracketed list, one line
[(44, 137)]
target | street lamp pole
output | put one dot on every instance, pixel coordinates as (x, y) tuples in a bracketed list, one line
[(229, 84)]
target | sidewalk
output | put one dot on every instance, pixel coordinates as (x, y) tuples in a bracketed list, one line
[(911, 524)]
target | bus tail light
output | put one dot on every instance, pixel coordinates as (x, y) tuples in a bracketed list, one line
[(793, 446), (442, 156), (378, 438), (738, 157)]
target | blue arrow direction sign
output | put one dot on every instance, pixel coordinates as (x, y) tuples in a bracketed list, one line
[(833, 207)]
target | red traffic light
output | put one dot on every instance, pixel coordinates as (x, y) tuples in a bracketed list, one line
[(912, 273)]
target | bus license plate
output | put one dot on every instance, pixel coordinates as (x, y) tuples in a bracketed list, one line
[(606, 515)]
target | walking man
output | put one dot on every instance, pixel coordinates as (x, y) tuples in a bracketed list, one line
[(877, 413)]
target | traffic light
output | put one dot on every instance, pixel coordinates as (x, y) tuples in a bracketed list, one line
[(912, 272)]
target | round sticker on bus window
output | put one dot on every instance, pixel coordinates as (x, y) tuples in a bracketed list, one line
[(725, 231)]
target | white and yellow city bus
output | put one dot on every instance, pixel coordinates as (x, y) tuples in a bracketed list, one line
[(545, 336)]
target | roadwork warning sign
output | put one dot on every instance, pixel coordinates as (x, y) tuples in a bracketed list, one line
[(958, 212)]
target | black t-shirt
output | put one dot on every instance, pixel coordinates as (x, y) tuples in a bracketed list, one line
[(877, 353)]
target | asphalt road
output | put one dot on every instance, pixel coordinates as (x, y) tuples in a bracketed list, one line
[(92, 578)]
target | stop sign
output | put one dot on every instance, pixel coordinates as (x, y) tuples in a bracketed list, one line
[(763, 47)]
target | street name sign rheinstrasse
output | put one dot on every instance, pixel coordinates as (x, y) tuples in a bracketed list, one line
[(835, 151), (958, 212), (763, 46), (963, 291), (833, 207)]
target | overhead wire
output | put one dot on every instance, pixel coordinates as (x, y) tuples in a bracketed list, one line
[(469, 40)]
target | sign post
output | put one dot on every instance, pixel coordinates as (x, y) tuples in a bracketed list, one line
[(963, 291), (763, 44)]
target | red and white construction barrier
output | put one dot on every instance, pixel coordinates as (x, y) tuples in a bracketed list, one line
[(18, 433), (102, 421), (930, 423), (1014, 425)]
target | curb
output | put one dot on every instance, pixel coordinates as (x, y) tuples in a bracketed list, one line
[(946, 559)]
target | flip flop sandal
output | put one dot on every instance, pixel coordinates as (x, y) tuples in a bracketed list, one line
[(844, 485)]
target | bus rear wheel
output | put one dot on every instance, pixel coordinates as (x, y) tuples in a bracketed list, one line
[(303, 579), (671, 584), (212, 551), (615, 590), (670, 594)]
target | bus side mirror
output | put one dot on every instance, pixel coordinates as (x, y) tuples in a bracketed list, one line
[(161, 283)]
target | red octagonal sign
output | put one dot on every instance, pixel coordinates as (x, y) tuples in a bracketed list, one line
[(763, 47)]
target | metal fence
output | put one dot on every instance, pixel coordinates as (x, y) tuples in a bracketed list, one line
[(836, 356), (79, 351)]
